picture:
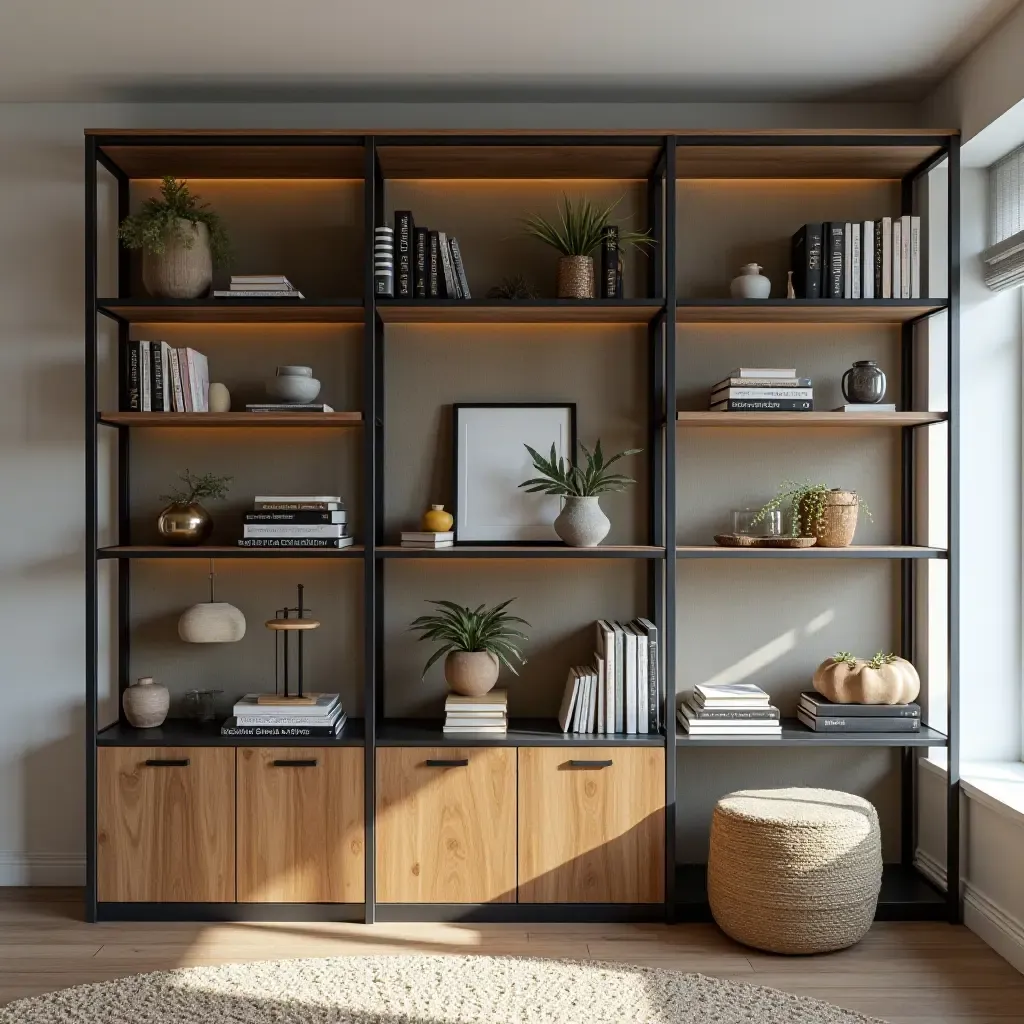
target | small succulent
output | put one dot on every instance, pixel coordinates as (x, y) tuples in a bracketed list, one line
[(460, 628), (880, 659), (571, 481), (516, 287), (195, 487)]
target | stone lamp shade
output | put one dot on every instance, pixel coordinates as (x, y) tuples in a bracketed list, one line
[(212, 622)]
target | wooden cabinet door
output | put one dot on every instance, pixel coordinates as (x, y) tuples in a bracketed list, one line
[(166, 824), (591, 824), (446, 825), (300, 825)]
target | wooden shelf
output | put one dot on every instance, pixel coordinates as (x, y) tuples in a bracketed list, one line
[(225, 551), (897, 551), (461, 551), (526, 311), (245, 420), (808, 419), (795, 734), (182, 732), (229, 311), (791, 311), (522, 732)]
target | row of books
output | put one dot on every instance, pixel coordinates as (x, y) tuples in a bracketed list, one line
[(296, 521), (260, 286), (873, 259), (426, 539), (486, 714), (267, 714), (426, 264), (621, 691), (822, 715), (158, 378)]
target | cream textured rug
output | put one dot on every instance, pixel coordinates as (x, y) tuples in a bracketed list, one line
[(422, 990)]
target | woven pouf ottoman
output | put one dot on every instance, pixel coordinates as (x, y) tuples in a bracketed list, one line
[(794, 870)]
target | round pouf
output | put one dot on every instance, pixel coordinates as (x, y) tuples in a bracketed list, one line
[(794, 870)]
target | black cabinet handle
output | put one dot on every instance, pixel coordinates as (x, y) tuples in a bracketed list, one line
[(310, 762), (157, 762), (590, 764), (461, 762)]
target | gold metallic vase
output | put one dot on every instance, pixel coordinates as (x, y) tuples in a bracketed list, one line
[(184, 525), (576, 277)]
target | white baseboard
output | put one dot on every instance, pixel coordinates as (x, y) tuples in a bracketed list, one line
[(932, 869), (41, 869)]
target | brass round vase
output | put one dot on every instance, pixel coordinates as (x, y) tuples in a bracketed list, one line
[(576, 277), (838, 521), (184, 524)]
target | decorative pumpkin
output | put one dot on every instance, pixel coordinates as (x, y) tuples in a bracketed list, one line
[(885, 679)]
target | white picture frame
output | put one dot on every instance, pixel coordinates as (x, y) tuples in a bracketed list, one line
[(490, 462)]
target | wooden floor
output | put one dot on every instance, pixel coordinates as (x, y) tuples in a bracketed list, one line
[(925, 973)]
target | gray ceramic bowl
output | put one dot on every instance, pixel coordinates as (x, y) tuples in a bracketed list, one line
[(292, 387)]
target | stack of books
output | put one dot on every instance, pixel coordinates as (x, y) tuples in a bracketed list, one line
[(873, 259), (487, 713), (729, 709), (425, 539), (159, 378), (260, 286), (296, 521), (267, 714), (384, 262), (762, 389), (822, 715), (429, 263)]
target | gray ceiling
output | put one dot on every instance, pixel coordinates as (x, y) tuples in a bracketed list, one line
[(629, 49)]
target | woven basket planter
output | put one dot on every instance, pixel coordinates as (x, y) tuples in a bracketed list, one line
[(794, 870), (576, 277), (838, 523)]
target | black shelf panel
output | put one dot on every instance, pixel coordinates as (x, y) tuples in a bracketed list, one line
[(819, 311), (520, 311), (906, 895), (224, 551), (232, 311), (522, 551), (795, 734), (522, 732), (180, 732)]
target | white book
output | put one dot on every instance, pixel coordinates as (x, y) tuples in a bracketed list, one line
[(249, 705), (630, 658), (897, 262), (259, 279), (296, 499), (565, 712), (758, 394), (885, 240), (427, 535), (270, 286), (881, 407), (427, 547), (496, 700), (773, 372), (605, 650), (620, 677), (202, 380), (856, 269), (176, 381), (293, 530), (642, 710), (730, 691), (146, 378), (867, 246), (258, 293), (297, 721), (489, 730), (592, 690), (602, 711), (167, 404), (905, 257), (848, 261), (915, 257), (581, 701)]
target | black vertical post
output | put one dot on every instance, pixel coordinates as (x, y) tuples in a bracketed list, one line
[(656, 392), (124, 456)]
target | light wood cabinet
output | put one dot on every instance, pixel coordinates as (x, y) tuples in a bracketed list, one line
[(166, 824), (446, 824), (300, 825), (591, 824)]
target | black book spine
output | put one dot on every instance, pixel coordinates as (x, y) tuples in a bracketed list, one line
[(433, 267), (610, 262), (854, 724), (231, 728), (834, 239), (156, 361), (403, 254), (306, 518), (419, 265), (766, 405), (132, 378), (807, 262), (290, 542), (460, 270), (878, 259), (822, 709)]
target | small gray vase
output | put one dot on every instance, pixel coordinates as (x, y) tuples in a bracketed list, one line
[(581, 523)]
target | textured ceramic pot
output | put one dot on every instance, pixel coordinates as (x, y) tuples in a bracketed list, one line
[(184, 524), (750, 284), (576, 277), (219, 398), (838, 523), (293, 384), (436, 520), (213, 622), (581, 523), (184, 270), (471, 673), (145, 703), (864, 383)]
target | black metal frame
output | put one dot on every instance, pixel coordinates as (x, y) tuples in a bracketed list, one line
[(662, 556)]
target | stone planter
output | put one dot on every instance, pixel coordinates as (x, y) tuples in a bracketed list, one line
[(180, 271), (471, 673), (576, 277), (837, 525), (145, 703), (581, 523)]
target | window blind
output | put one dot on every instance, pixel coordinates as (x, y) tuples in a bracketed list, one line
[(1004, 258)]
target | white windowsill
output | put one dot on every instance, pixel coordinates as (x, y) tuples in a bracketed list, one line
[(998, 785)]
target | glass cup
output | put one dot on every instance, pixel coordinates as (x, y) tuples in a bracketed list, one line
[(747, 523), (201, 705)]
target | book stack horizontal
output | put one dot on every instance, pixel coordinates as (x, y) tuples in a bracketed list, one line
[(260, 286), (487, 713), (729, 709), (296, 521), (822, 715), (426, 539), (262, 714), (384, 262), (762, 389), (621, 691), (428, 264), (159, 378), (288, 407)]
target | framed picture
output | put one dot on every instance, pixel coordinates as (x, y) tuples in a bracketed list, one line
[(490, 462)]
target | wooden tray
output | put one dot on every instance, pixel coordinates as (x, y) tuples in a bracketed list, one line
[(738, 540)]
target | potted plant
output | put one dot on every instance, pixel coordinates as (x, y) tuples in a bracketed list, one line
[(581, 523), (184, 521), (579, 231), (476, 642), (815, 510), (884, 679), (181, 240)]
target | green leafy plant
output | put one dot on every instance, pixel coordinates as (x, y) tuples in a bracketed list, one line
[(807, 503), (460, 628), (195, 487), (515, 287), (159, 220), (847, 656), (580, 228), (880, 659), (573, 481)]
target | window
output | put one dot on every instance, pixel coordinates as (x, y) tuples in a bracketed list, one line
[(1004, 258)]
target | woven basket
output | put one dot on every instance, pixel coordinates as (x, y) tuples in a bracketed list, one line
[(838, 522), (576, 277), (794, 870)]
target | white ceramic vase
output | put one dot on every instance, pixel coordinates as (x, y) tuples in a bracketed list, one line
[(219, 398), (581, 523), (750, 284), (293, 384), (184, 270), (213, 622), (146, 703)]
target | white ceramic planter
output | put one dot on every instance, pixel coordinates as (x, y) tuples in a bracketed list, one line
[(180, 271), (750, 284), (581, 523)]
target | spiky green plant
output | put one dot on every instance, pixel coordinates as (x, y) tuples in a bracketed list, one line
[(579, 229), (460, 628), (195, 487), (159, 221), (569, 480)]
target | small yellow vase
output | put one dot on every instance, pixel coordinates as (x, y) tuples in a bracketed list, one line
[(436, 520)]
